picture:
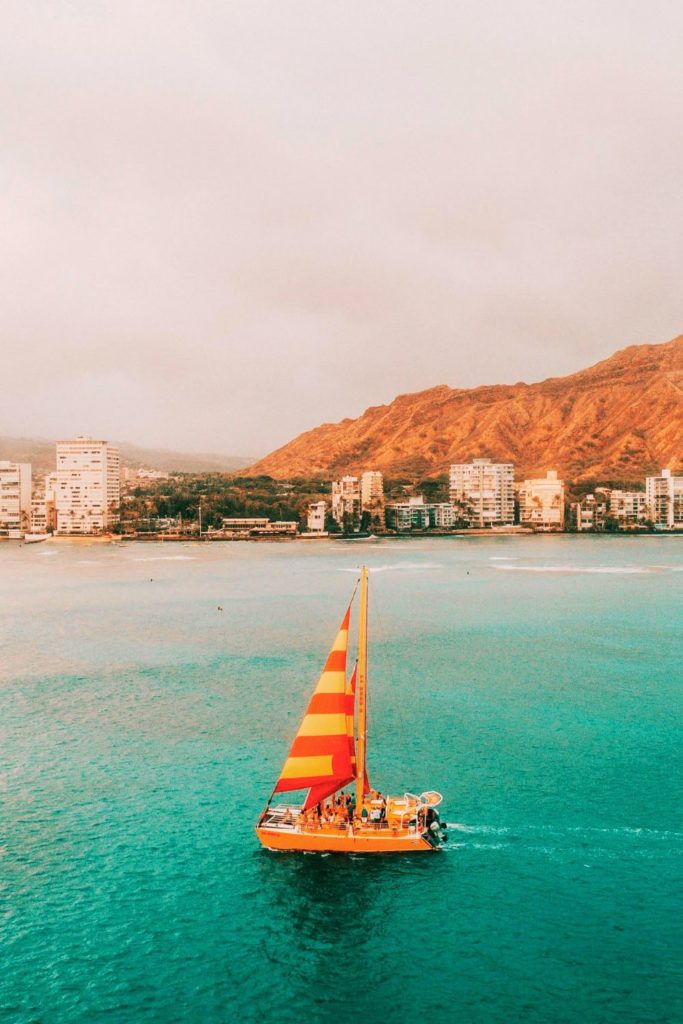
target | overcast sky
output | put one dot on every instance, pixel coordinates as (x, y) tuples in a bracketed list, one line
[(224, 223)]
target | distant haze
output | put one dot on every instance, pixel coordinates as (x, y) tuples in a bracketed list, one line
[(224, 223)]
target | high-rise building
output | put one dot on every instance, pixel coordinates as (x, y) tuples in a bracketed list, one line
[(541, 502), (371, 488), (316, 517), (346, 506), (15, 499), (664, 495), (372, 498), (86, 487), (483, 491)]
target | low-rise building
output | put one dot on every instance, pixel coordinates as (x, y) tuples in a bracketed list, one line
[(589, 514), (484, 490), (628, 508), (541, 502), (444, 515), (416, 514), (131, 477), (664, 495), (258, 526), (15, 499), (43, 514), (315, 519)]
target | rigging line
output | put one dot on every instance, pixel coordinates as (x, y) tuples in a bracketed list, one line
[(383, 641)]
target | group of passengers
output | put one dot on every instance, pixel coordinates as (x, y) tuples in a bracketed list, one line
[(340, 811), (336, 812)]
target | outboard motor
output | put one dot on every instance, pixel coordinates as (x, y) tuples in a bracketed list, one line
[(435, 833)]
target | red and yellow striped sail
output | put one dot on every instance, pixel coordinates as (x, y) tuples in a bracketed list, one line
[(320, 757)]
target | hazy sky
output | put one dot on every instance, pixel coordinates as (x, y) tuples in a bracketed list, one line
[(224, 223)]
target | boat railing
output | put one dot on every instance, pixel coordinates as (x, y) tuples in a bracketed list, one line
[(292, 819)]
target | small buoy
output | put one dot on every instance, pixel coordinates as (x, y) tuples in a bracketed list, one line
[(220, 607)]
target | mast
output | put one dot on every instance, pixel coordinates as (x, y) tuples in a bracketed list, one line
[(362, 688)]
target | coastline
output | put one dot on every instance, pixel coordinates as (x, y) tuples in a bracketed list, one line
[(350, 539)]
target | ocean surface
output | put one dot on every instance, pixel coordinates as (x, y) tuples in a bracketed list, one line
[(536, 682)]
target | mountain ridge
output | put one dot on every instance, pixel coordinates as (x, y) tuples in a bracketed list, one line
[(40, 452), (619, 418)]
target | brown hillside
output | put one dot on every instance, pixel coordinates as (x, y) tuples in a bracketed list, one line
[(615, 420)]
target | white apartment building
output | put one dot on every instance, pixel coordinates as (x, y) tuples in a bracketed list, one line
[(371, 488), (541, 502), (315, 520), (444, 515), (629, 508), (415, 514), (86, 487), (346, 503), (372, 498), (485, 491), (664, 494), (15, 499)]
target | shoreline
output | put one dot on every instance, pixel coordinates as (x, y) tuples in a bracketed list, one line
[(374, 539)]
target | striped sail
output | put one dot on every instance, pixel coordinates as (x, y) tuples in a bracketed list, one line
[(320, 757), (351, 716)]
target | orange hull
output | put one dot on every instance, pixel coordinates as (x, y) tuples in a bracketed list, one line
[(322, 841)]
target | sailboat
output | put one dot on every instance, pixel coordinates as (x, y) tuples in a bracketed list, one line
[(341, 812)]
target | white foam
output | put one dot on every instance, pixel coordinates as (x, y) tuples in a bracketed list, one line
[(502, 558), (478, 829), (165, 558), (587, 569), (408, 566)]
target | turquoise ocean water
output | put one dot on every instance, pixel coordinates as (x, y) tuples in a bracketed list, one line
[(537, 683)]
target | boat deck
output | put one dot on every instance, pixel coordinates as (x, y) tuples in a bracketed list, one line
[(285, 826)]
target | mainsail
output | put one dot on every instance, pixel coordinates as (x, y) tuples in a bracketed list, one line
[(320, 757)]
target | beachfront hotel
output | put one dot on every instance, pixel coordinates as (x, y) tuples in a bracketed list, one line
[(15, 499), (541, 502), (85, 487), (484, 490)]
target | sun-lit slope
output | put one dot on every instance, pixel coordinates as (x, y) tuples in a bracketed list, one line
[(616, 419)]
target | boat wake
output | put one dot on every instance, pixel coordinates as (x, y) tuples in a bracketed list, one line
[(589, 841)]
